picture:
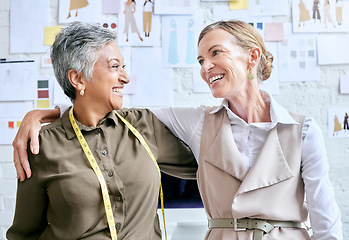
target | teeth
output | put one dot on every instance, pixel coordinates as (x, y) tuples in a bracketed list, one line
[(215, 78), (117, 90)]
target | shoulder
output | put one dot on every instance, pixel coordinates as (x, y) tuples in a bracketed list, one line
[(57, 129), (138, 116), (52, 127), (135, 113), (311, 130)]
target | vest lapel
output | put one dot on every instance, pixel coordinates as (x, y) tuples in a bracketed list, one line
[(219, 147), (269, 168)]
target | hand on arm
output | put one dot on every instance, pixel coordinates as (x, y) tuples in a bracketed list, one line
[(29, 130)]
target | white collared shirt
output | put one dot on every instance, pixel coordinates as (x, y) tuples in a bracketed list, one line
[(325, 217)]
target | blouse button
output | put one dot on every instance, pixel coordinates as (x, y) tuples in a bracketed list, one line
[(117, 226), (104, 152), (98, 130), (118, 199), (110, 174)]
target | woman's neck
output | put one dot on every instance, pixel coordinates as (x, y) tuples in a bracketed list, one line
[(251, 106), (87, 115)]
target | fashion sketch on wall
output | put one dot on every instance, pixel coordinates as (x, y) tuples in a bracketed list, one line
[(130, 21), (338, 123), (75, 5), (137, 24), (320, 15), (179, 34), (148, 9), (79, 10)]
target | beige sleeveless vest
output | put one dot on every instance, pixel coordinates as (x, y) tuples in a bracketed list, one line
[(272, 189)]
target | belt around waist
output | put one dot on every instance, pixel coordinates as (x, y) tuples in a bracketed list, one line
[(260, 226)]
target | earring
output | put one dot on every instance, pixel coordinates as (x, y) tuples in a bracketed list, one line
[(82, 92), (250, 75)]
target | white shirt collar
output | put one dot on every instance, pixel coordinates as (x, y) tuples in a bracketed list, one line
[(278, 114)]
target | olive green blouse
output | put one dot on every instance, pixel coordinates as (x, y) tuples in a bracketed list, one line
[(63, 200)]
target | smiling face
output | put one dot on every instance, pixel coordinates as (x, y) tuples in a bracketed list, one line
[(224, 64), (104, 92)]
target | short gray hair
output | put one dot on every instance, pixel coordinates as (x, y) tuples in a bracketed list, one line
[(75, 47)]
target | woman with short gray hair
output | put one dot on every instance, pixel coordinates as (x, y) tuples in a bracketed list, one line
[(93, 177)]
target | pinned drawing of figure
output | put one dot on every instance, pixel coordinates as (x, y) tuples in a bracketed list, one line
[(75, 5), (345, 124), (130, 21), (339, 11), (303, 13), (172, 48), (337, 125), (147, 16), (316, 10), (191, 54), (327, 14)]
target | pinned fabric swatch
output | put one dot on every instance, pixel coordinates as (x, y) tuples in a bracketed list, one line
[(274, 32)]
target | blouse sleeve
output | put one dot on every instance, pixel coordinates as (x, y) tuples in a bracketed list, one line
[(185, 123), (31, 210), (174, 156), (325, 217)]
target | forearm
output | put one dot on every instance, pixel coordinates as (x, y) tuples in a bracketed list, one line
[(47, 116)]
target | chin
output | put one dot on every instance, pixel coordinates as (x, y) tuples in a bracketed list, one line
[(216, 95), (117, 106)]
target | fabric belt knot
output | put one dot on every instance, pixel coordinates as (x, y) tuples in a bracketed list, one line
[(260, 226)]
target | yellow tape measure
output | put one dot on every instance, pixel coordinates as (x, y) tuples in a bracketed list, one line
[(96, 169)]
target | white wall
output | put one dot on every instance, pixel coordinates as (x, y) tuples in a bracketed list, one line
[(310, 98)]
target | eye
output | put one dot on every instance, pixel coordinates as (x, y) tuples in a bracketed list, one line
[(116, 66), (123, 67), (201, 61), (216, 52)]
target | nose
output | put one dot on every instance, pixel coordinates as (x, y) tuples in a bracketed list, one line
[(124, 78), (207, 66)]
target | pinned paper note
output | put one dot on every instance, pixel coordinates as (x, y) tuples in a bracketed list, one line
[(274, 31), (147, 95), (131, 87), (51, 33), (27, 22), (111, 6), (298, 57), (17, 79), (42, 104), (238, 4), (344, 84), (333, 55)]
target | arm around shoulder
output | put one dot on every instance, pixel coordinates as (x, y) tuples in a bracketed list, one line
[(29, 130)]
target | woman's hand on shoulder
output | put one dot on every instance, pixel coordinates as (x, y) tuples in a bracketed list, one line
[(29, 130)]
